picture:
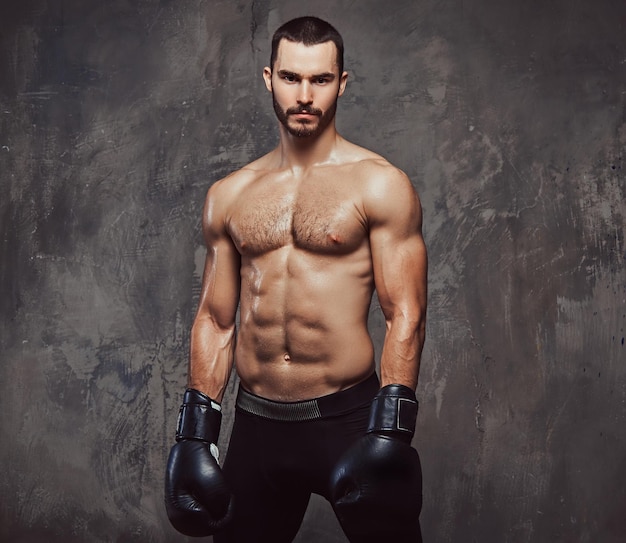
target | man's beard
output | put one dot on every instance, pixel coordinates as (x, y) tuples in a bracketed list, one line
[(305, 130)]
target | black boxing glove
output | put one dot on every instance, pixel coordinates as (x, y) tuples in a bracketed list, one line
[(197, 498), (376, 488)]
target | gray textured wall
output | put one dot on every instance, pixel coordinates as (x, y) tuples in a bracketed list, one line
[(510, 118)]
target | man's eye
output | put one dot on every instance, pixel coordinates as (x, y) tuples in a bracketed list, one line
[(322, 81)]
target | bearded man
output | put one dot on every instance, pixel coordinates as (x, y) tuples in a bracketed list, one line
[(298, 240)]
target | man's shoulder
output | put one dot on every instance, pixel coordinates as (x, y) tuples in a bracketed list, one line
[(377, 173), (385, 189)]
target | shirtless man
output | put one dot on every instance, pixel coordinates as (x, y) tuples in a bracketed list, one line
[(298, 240)]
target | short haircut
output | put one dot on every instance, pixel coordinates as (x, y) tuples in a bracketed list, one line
[(309, 31)]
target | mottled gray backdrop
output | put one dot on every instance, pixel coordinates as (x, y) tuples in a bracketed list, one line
[(509, 117)]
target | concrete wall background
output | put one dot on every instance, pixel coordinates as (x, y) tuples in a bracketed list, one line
[(510, 118)]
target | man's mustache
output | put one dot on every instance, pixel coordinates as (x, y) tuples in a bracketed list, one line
[(304, 109)]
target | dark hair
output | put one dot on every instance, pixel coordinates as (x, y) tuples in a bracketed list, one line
[(309, 31)]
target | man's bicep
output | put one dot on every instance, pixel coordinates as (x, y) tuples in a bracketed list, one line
[(399, 253), (220, 283), (400, 275), (221, 278)]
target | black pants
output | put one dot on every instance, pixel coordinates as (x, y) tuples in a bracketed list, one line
[(274, 463)]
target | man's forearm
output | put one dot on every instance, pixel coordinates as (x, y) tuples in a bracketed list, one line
[(211, 357), (401, 353)]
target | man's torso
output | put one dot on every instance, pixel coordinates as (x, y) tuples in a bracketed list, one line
[(306, 277)]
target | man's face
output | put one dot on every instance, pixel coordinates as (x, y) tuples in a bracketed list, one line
[(305, 84)]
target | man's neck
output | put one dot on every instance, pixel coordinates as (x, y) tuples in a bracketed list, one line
[(304, 152)]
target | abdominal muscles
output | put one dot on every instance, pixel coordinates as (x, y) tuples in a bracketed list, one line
[(303, 329)]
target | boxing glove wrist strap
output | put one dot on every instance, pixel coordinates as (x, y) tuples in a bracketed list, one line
[(199, 418), (393, 412)]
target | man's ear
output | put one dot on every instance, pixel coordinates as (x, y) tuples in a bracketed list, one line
[(267, 75), (343, 80)]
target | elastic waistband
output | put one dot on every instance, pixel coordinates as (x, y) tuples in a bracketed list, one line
[(331, 405)]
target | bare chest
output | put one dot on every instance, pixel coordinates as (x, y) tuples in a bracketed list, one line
[(317, 217)]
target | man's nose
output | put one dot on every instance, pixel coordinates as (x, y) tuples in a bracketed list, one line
[(305, 93)]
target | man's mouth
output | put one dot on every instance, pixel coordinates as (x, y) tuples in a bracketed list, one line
[(305, 112)]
